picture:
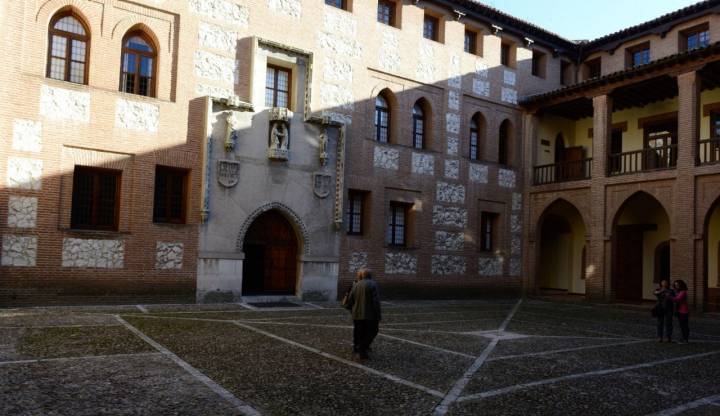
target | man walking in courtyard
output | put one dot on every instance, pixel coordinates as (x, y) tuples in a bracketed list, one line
[(364, 302)]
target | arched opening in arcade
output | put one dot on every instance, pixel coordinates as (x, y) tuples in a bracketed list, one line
[(562, 260), (271, 256), (712, 258), (641, 248)]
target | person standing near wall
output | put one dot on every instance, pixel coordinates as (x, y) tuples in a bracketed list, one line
[(664, 311), (682, 310), (364, 303)]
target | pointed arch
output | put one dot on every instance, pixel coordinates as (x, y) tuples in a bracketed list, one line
[(383, 120), (68, 51), (422, 124), (476, 139), (296, 222), (139, 62)]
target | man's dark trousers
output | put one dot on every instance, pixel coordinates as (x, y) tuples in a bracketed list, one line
[(364, 332)]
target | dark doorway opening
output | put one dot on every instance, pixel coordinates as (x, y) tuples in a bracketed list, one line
[(270, 265)]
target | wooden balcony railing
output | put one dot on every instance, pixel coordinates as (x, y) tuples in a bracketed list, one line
[(643, 160), (709, 151), (562, 172)]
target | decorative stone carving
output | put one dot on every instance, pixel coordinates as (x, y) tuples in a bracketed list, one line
[(23, 173), (481, 87), (27, 135), (426, 63), (516, 201), (452, 123), (509, 77), (340, 23), (423, 164), (61, 104), (322, 145), (478, 173), (279, 133), (131, 115), (213, 91), (290, 8), (506, 178), (389, 59), (400, 263), (168, 255), (19, 250), (450, 216), (509, 95), (444, 265), (445, 240), (357, 262), (449, 193), (228, 173), (103, 254), (215, 37), (339, 47), (231, 127), (386, 158), (515, 267), (452, 169), (337, 96), (453, 145), (22, 212), (333, 117), (490, 266), (322, 184), (215, 67), (223, 10), (337, 71)]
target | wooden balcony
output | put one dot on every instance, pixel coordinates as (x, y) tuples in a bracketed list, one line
[(709, 151), (643, 160), (575, 170)]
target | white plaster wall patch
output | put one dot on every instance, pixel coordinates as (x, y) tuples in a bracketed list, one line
[(400, 263), (226, 11), (506, 178), (389, 53), (291, 8), (453, 100), (23, 173), (341, 47), (357, 261), (22, 212), (104, 254), (452, 123), (478, 173), (340, 23), (212, 66), (168, 255), (386, 158), (509, 77), (62, 104), (490, 266), (336, 70), (452, 169), (27, 135), (454, 74), (426, 65), (212, 91), (333, 95), (453, 145), (137, 116), (445, 240), (449, 193), (481, 68), (450, 216), (481, 87), (516, 201), (444, 265), (509, 95), (215, 37), (19, 250), (423, 164)]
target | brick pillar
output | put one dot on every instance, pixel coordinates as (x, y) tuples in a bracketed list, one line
[(597, 285), (530, 143), (682, 246)]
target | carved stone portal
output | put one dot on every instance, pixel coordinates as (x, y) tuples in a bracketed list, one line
[(322, 184), (228, 173), (279, 134)]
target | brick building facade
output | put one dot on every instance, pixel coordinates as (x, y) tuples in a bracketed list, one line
[(210, 149)]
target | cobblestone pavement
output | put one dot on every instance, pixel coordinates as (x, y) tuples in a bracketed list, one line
[(505, 357)]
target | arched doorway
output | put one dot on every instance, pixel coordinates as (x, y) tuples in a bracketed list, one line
[(712, 258), (271, 249), (641, 252), (562, 260)]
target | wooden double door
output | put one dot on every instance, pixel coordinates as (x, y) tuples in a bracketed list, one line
[(271, 250)]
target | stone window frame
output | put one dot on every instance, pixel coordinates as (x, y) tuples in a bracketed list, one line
[(394, 16), (93, 223), (150, 40), (264, 47), (168, 218), (592, 68), (69, 37), (395, 208), (479, 129), (539, 64), (488, 231), (685, 34), (377, 117), (275, 89), (421, 120)]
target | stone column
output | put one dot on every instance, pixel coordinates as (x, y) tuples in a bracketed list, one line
[(682, 246), (530, 126), (598, 277)]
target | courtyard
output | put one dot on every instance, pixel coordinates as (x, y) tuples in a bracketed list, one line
[(433, 357)]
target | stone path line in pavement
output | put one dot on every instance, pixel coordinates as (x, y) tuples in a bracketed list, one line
[(710, 400)]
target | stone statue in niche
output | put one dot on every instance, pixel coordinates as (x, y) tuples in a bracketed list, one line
[(231, 127), (279, 134), (323, 148)]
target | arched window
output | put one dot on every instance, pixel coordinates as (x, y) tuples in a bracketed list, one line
[(69, 44), (418, 126), (139, 58), (504, 143), (476, 134), (382, 119)]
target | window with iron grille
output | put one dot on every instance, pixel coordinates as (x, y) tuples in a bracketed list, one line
[(340, 4), (470, 45), (397, 224), (382, 119), (68, 49), (386, 12), (95, 198), (418, 127), (170, 195), (356, 200), (277, 87), (430, 27), (488, 223), (138, 65), (474, 132)]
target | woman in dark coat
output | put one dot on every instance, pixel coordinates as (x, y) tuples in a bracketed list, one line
[(664, 309)]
